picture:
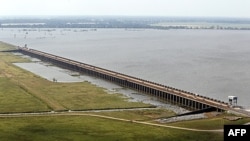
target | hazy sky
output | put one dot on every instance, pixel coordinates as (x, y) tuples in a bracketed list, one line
[(200, 8)]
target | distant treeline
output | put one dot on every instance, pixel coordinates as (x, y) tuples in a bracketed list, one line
[(125, 22)]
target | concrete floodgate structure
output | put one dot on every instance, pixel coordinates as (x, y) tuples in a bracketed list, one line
[(194, 102)]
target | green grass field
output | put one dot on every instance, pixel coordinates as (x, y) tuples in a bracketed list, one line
[(84, 128), (15, 99), (22, 91)]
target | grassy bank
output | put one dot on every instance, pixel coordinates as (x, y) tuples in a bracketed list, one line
[(140, 115), (13, 97), (50, 95)]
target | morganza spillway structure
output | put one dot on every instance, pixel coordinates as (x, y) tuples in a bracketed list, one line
[(182, 98)]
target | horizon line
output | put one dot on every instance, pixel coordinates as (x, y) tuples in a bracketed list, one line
[(143, 16)]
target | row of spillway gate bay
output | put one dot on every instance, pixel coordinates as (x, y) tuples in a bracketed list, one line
[(165, 93)]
